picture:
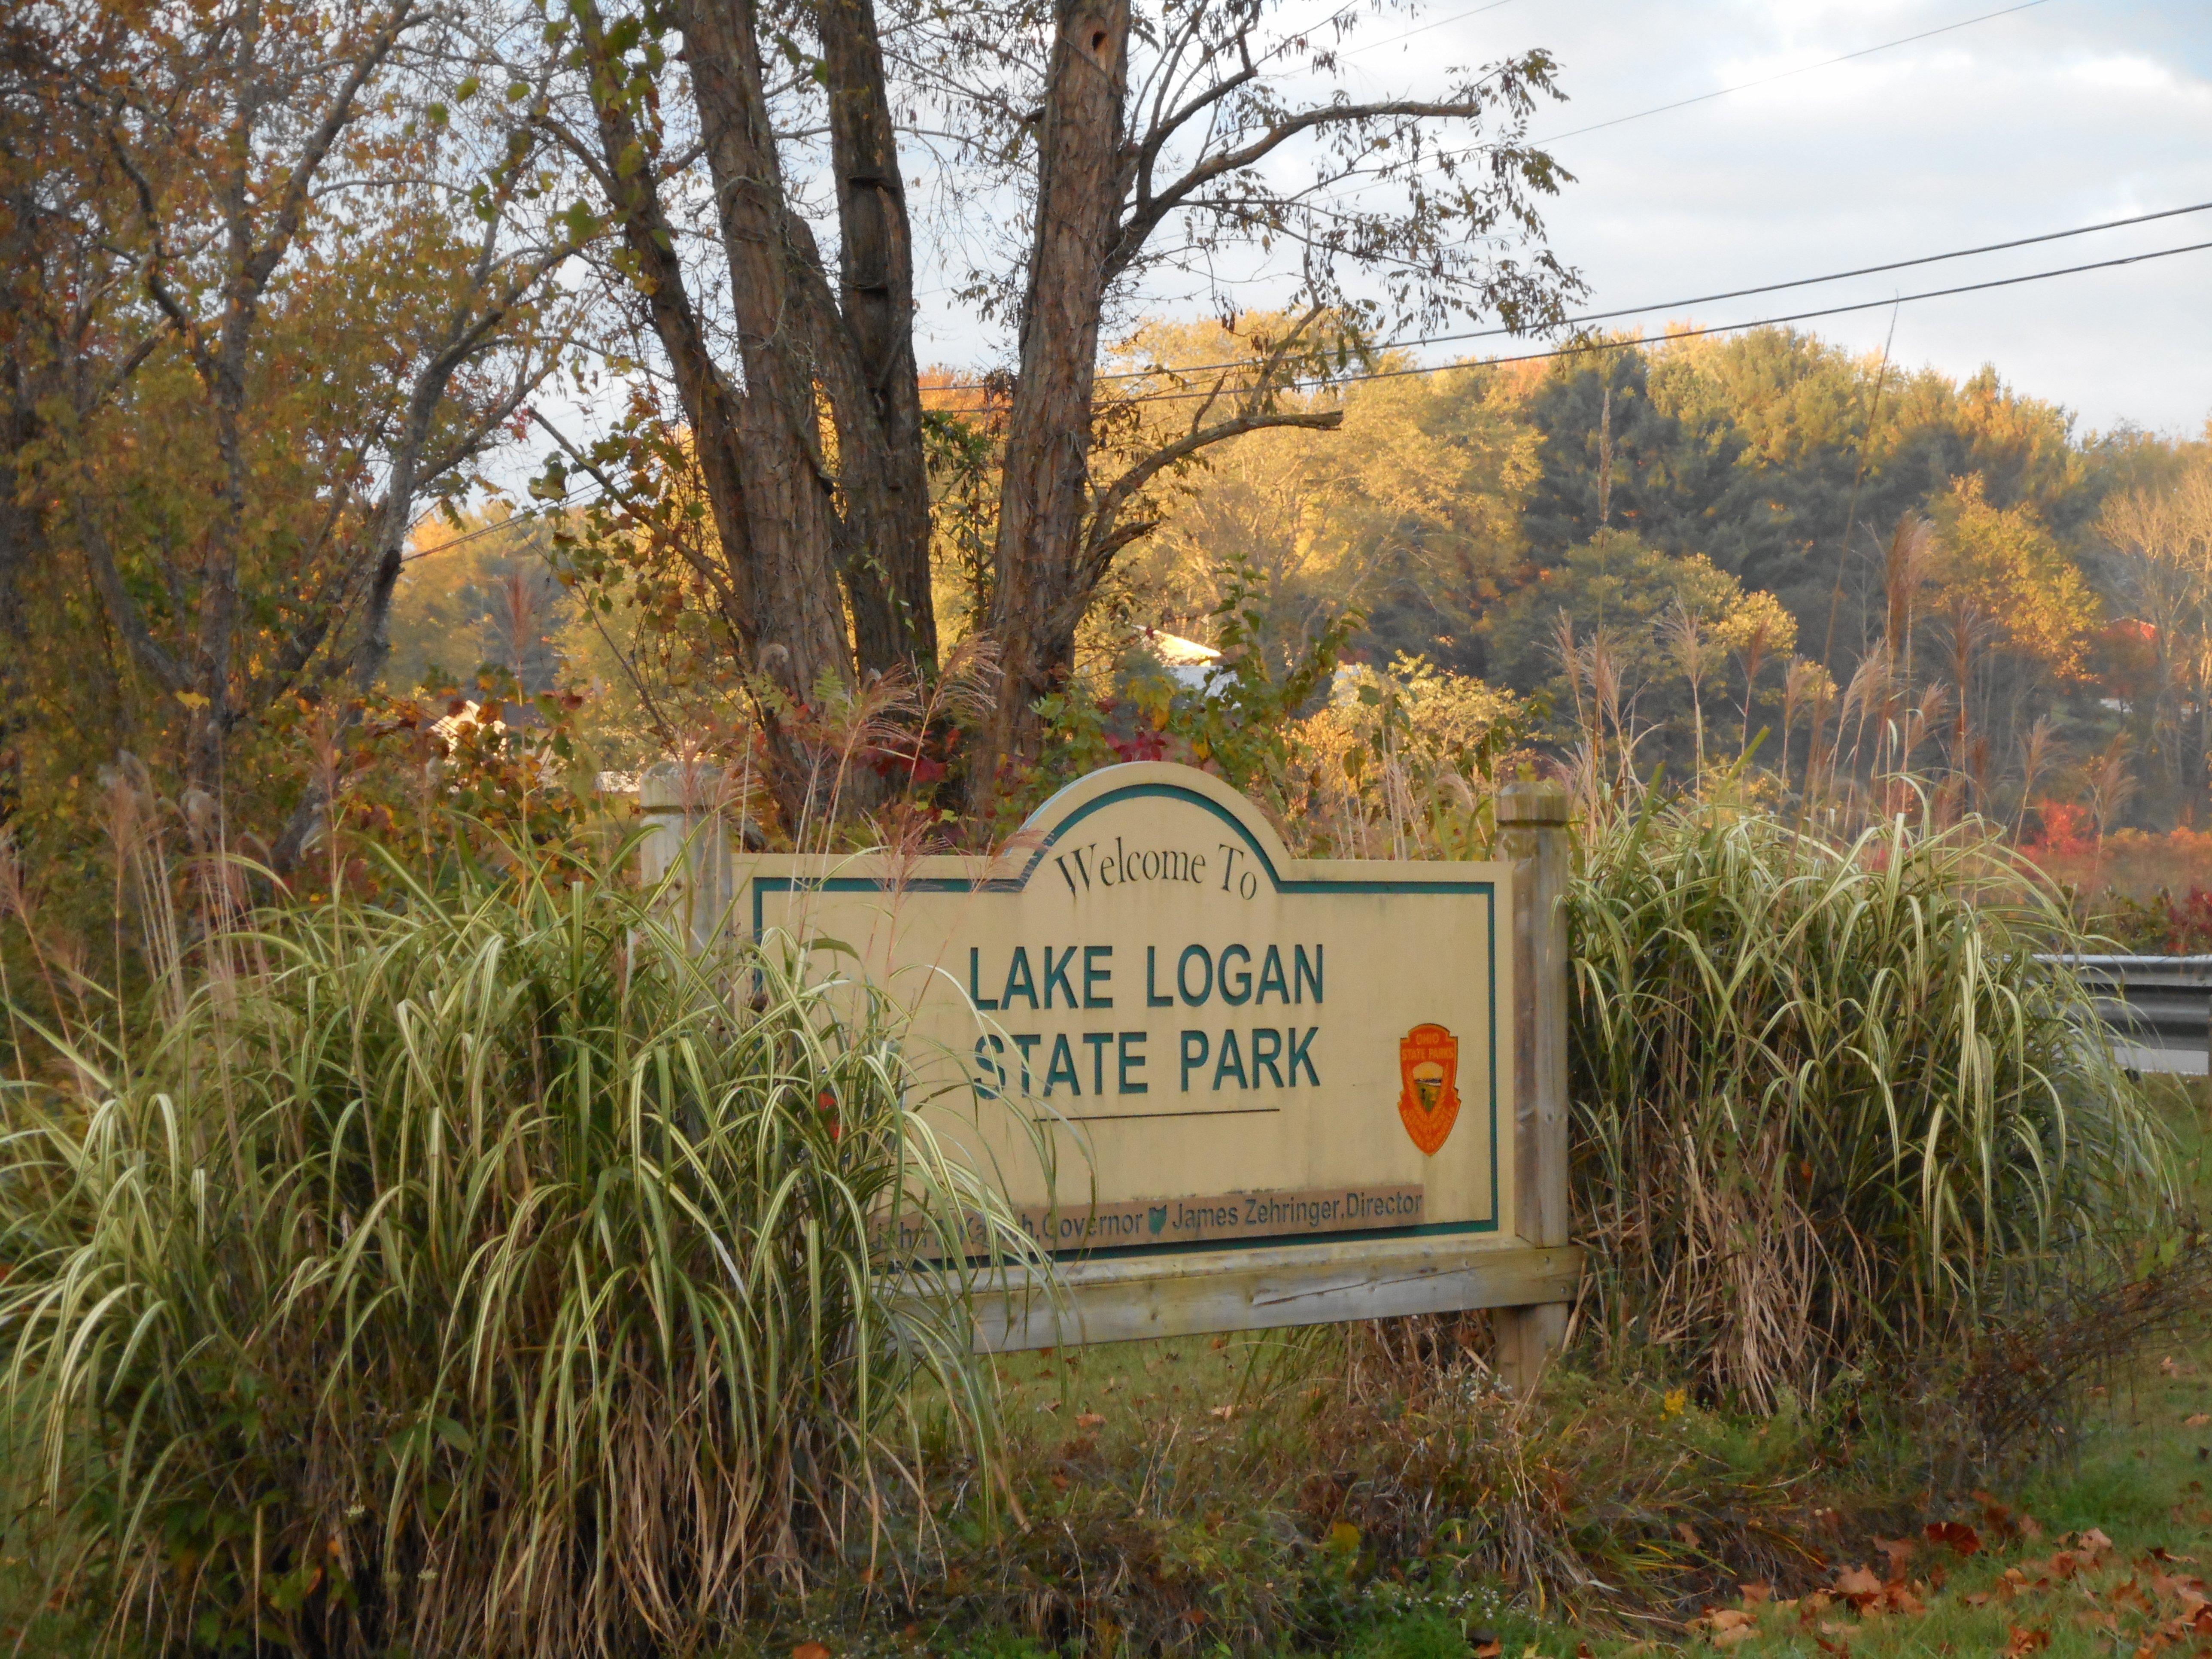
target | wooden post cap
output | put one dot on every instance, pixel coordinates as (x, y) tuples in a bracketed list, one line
[(1530, 802), (678, 786)]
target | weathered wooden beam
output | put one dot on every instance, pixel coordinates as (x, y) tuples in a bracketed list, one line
[(1532, 834), (1122, 1299)]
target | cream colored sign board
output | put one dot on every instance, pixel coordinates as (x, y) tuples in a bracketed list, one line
[(1222, 1045)]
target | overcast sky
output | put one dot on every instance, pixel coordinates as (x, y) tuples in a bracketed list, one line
[(2063, 113)]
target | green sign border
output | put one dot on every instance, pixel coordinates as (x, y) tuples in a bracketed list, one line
[(763, 885)]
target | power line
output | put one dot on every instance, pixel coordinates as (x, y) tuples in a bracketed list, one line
[(1742, 86), (1678, 304), (582, 498), (1456, 17), (1769, 80), (1692, 333)]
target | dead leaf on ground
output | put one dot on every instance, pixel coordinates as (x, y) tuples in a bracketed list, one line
[(2197, 1420), (1899, 1552), (2026, 1641), (810, 1651), (1493, 1649), (1858, 1586), (1225, 1412), (1754, 1593), (1088, 1419), (1954, 1535)]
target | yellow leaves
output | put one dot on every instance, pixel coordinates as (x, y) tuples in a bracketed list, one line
[(2001, 569), (1677, 1402), (192, 699)]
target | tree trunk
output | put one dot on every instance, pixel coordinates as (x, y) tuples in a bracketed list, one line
[(885, 473), (1041, 576), (790, 512)]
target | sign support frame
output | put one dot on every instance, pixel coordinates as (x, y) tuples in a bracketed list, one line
[(1532, 837), (1526, 1283)]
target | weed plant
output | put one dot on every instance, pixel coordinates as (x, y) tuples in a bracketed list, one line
[(479, 1273), (1834, 1115)]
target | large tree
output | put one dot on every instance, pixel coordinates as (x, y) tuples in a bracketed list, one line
[(1081, 156), (268, 294)]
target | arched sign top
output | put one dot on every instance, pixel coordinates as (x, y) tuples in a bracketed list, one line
[(1053, 829)]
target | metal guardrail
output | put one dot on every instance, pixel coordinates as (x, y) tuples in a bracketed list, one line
[(2157, 1009)]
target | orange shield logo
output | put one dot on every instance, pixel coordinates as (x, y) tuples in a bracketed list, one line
[(1428, 1105)]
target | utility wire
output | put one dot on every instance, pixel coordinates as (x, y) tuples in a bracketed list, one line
[(1588, 347), (1742, 86), (1678, 304), (1769, 80), (582, 498), (1393, 39)]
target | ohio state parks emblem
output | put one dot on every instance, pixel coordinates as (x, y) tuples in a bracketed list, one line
[(1428, 1105)]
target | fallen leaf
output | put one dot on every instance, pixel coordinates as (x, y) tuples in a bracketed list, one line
[(1729, 1638), (1955, 1535), (1493, 1649), (2093, 1543), (1088, 1421), (1754, 1593), (1728, 1618), (1899, 1552), (1225, 1412), (2025, 1641), (1049, 1406), (810, 1651), (2197, 1420), (2129, 1594), (1976, 1598), (1857, 1586)]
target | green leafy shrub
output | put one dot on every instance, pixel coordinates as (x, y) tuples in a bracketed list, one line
[(480, 1275), (1831, 1112)]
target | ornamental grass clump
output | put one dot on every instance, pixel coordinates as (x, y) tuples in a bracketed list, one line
[(482, 1274), (1832, 1113)]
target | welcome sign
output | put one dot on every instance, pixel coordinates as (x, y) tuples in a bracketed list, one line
[(1176, 1034)]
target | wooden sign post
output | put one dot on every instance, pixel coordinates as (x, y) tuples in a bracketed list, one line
[(1225, 1088)]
